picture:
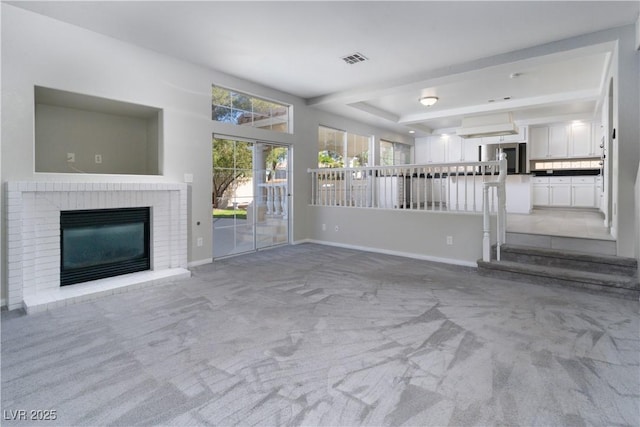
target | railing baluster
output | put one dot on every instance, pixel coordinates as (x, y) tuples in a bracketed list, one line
[(433, 187)]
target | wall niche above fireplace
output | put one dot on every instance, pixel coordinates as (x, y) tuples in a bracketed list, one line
[(76, 133)]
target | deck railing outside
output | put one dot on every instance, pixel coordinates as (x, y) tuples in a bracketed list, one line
[(443, 187)]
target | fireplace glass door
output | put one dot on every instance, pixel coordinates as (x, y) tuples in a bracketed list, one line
[(102, 243)]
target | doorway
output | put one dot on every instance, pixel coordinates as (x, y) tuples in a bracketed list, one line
[(250, 196)]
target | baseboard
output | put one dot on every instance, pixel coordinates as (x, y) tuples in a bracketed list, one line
[(301, 241), (200, 262), (395, 253)]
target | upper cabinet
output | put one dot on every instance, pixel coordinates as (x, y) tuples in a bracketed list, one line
[(574, 140), (581, 142), (539, 143), (446, 149), (558, 141)]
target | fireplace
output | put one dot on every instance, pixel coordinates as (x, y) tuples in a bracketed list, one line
[(34, 238), (100, 243)]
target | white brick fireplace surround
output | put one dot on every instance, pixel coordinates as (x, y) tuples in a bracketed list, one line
[(33, 238)]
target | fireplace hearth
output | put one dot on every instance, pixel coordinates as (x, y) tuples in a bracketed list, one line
[(101, 243)]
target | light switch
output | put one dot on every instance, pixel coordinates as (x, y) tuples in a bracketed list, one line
[(71, 157), (98, 158), (188, 177)]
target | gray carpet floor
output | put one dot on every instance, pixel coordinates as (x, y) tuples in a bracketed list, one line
[(313, 335)]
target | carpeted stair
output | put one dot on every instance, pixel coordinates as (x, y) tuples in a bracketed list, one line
[(605, 274)]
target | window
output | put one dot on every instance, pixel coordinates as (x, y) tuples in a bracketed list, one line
[(339, 149), (241, 109), (394, 153)]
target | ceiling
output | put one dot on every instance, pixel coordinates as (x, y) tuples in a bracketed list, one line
[(466, 53)]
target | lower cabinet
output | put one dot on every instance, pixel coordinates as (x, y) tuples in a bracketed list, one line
[(577, 191), (540, 193), (583, 196), (560, 191)]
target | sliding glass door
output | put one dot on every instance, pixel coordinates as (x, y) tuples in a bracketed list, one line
[(250, 196)]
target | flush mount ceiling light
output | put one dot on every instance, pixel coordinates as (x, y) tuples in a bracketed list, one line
[(428, 101)]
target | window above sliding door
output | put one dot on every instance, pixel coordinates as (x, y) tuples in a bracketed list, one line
[(241, 109)]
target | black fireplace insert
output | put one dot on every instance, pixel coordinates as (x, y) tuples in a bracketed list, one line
[(95, 244)]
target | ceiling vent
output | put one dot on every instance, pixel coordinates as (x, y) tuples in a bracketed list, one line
[(489, 125), (354, 58)]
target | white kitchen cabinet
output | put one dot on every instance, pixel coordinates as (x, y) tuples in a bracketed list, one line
[(577, 191), (470, 148), (583, 191), (558, 141), (539, 143), (583, 196), (438, 149), (575, 140), (453, 145), (445, 149), (560, 191), (421, 151), (540, 195), (432, 149), (540, 191), (580, 140)]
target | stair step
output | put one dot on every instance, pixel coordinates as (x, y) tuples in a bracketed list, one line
[(606, 264), (581, 244), (621, 286)]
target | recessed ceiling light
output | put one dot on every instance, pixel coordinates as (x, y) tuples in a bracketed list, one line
[(428, 101), (412, 131)]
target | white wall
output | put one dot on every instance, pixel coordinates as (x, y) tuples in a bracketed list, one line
[(626, 114), (403, 232)]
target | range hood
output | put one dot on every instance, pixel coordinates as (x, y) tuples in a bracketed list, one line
[(489, 125)]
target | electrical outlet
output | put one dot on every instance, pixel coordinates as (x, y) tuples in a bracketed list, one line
[(71, 157), (449, 240), (324, 227), (337, 228), (199, 242), (98, 158)]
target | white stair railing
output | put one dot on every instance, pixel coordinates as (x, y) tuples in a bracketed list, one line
[(435, 187), (501, 222), (431, 187)]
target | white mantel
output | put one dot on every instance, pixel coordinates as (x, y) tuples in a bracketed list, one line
[(33, 237)]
